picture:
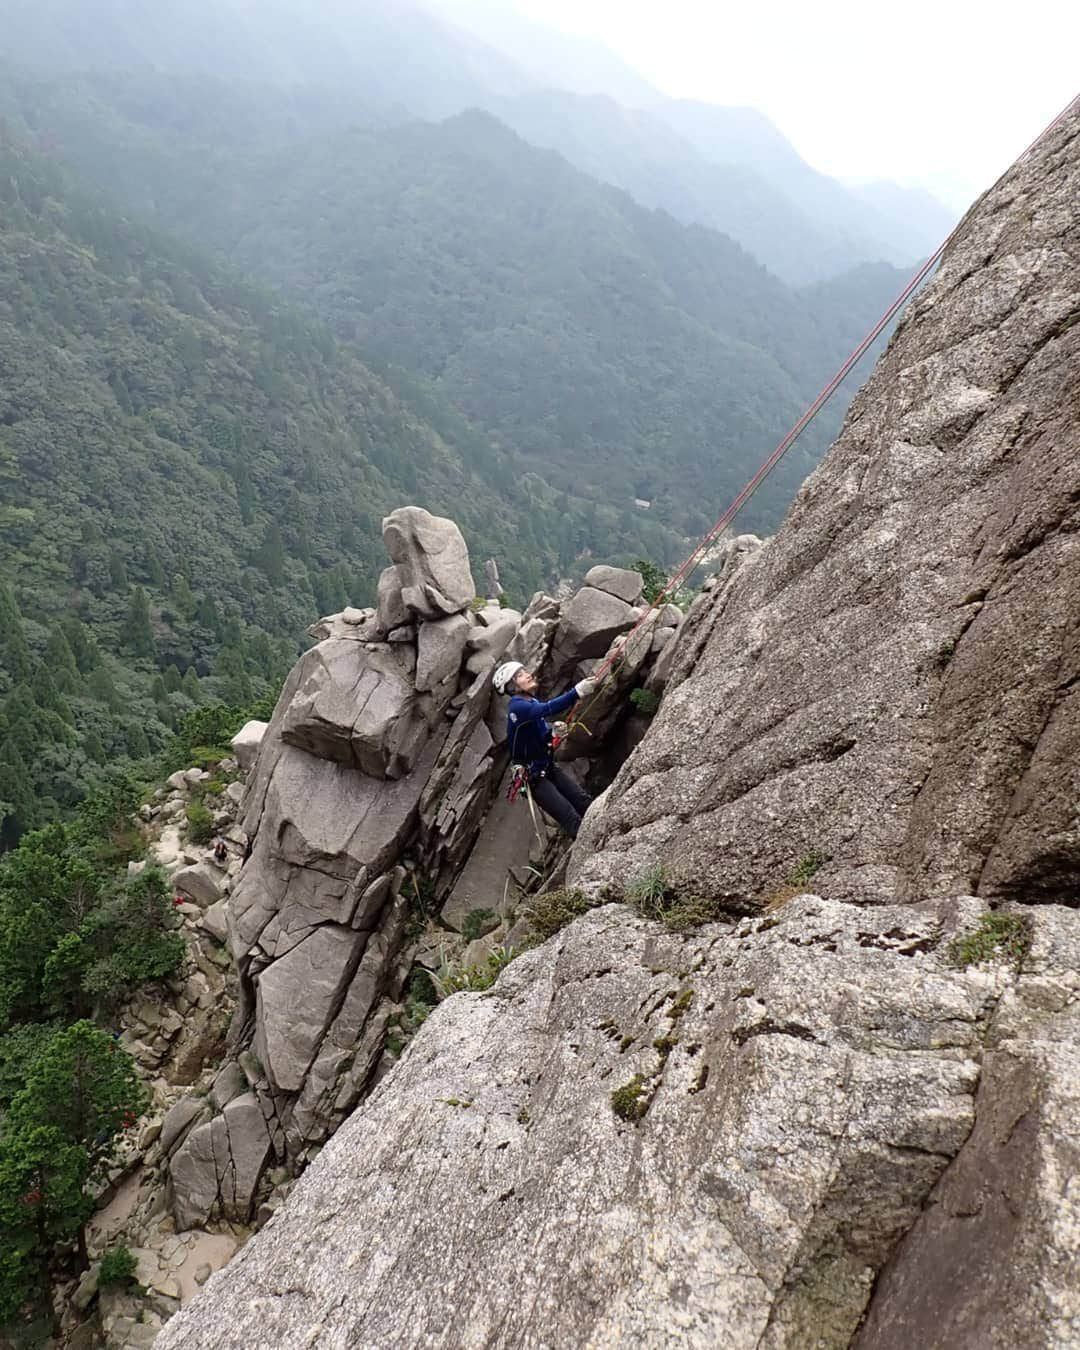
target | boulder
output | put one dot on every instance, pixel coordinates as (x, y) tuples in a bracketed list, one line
[(202, 882), (297, 998), (623, 582), (532, 641), (229, 1082), (321, 832), (216, 1171), (439, 649), (187, 1112), (358, 705), (489, 639), (590, 621), (392, 611), (245, 744), (432, 562)]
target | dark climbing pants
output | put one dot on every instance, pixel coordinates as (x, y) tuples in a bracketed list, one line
[(558, 796)]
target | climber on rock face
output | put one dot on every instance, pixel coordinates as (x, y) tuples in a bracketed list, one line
[(530, 738)]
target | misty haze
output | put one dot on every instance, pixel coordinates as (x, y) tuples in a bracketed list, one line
[(536, 697)]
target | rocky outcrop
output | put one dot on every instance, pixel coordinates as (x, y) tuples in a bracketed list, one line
[(642, 1139), (371, 785), (892, 682), (827, 1120)]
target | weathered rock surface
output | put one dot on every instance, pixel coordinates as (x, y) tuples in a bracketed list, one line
[(804, 1082), (246, 742), (432, 562), (202, 881), (893, 680), (362, 707), (628, 585)]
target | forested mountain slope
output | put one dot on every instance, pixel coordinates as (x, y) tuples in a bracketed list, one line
[(623, 355), (395, 53), (728, 168), (190, 472)]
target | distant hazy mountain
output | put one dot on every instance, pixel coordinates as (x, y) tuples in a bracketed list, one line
[(384, 52), (891, 223), (553, 59), (728, 168), (641, 153)]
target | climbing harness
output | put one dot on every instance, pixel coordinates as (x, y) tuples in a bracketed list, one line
[(677, 578)]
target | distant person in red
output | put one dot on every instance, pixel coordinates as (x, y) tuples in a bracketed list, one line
[(221, 850)]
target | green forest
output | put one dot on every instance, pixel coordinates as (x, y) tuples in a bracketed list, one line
[(192, 472)]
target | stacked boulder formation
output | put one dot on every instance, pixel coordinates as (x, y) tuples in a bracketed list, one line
[(366, 795)]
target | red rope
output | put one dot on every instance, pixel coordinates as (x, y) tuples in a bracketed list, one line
[(678, 577)]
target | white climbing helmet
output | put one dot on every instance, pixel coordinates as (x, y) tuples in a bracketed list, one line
[(505, 674)]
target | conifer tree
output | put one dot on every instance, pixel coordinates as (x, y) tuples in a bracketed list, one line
[(137, 635), (189, 685), (172, 680), (82, 645), (46, 694), (138, 747), (270, 558), (14, 653)]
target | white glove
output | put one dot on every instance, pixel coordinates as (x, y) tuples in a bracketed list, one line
[(586, 688)]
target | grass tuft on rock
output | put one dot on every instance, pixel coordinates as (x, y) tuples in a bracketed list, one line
[(654, 896), (998, 937)]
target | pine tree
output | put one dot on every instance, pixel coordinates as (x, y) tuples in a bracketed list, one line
[(189, 685), (183, 596), (14, 653), (18, 808), (117, 571), (46, 694), (236, 683), (270, 558), (136, 634), (83, 647), (207, 614), (172, 680), (100, 684), (59, 657)]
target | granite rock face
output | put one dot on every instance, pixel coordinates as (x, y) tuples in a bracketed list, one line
[(894, 681), (376, 772), (641, 1139)]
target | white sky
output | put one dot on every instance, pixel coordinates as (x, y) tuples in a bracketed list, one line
[(914, 90)]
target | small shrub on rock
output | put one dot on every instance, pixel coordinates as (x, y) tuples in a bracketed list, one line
[(629, 1101), (200, 823), (118, 1265), (645, 702), (550, 913)]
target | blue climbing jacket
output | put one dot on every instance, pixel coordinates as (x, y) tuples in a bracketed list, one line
[(528, 732)]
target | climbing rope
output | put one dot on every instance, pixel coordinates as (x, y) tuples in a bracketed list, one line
[(678, 577)]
